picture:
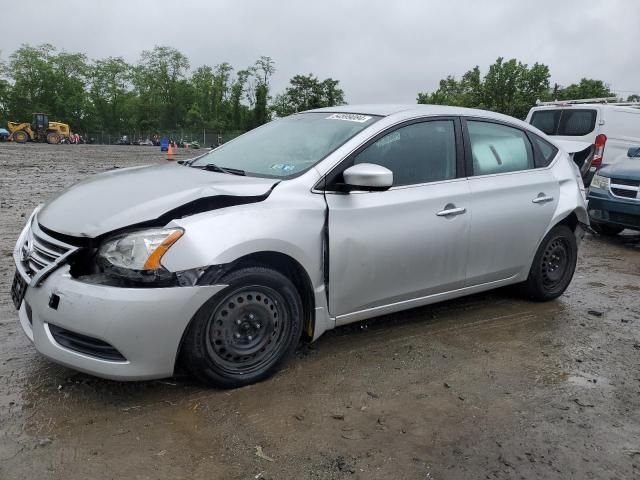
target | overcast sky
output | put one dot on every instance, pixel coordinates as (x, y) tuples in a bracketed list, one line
[(382, 51)]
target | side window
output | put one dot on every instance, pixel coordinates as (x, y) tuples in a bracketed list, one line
[(418, 153), (546, 151), (498, 149), (546, 120), (577, 123)]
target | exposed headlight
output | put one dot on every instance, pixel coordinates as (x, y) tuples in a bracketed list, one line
[(140, 250), (600, 182)]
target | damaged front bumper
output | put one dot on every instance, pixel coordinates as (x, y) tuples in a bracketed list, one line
[(104, 330), (111, 332)]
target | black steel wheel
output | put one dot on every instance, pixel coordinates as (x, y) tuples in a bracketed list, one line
[(242, 334), (555, 261), (553, 265)]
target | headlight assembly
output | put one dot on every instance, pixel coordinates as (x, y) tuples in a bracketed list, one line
[(139, 250), (600, 182)]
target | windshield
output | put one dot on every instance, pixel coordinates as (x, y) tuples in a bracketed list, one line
[(289, 146)]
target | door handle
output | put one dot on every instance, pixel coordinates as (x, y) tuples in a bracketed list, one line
[(451, 211), (542, 198)]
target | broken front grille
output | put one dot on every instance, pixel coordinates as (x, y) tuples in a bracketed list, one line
[(40, 254)]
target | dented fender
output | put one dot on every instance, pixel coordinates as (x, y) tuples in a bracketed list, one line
[(224, 236)]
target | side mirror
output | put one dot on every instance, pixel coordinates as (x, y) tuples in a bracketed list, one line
[(368, 176), (633, 152)]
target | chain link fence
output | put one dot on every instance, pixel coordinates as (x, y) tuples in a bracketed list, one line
[(205, 138)]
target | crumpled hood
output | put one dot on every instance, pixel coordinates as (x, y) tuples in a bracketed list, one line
[(626, 170), (119, 198)]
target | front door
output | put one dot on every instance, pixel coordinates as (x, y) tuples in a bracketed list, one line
[(410, 241)]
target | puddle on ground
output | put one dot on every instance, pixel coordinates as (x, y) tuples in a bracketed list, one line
[(588, 381)]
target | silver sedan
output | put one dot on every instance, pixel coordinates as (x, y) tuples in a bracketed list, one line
[(312, 221)]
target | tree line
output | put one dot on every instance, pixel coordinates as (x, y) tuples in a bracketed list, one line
[(161, 92), (158, 93), (511, 87)]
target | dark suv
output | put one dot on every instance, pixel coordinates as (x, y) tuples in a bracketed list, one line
[(614, 196)]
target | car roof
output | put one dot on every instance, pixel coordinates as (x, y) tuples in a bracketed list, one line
[(415, 110)]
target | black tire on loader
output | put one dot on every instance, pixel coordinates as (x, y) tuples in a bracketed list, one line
[(53, 138), (20, 136)]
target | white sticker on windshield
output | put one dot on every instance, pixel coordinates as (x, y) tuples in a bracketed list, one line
[(285, 167), (349, 117)]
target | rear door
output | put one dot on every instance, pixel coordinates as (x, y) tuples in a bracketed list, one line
[(513, 197), (387, 248)]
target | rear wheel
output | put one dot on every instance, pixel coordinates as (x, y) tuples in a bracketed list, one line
[(53, 138), (21, 136), (242, 334), (608, 230), (553, 266)]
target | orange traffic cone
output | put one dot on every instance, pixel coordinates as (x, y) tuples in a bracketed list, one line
[(170, 153)]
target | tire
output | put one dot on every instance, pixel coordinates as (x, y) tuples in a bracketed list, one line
[(245, 332), (607, 230), (53, 138), (553, 265), (21, 136)]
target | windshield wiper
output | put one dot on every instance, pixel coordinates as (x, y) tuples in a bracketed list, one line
[(212, 167)]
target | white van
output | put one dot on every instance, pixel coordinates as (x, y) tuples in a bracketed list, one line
[(612, 127)]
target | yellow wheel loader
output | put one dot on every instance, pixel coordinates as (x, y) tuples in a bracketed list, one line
[(39, 130)]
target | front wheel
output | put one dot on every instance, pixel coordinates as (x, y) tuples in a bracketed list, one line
[(21, 136), (242, 334), (553, 266)]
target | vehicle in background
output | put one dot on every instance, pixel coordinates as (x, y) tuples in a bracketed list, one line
[(4, 134), (146, 143), (123, 140), (39, 130), (194, 145), (614, 196), (611, 127), (312, 221)]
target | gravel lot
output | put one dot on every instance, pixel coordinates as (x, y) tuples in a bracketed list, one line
[(489, 386)]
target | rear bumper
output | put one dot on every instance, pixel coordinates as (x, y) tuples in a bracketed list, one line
[(145, 325), (606, 209)]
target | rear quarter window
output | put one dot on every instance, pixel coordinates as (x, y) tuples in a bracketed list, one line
[(544, 151)]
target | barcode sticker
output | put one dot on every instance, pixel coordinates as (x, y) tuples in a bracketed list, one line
[(349, 117)]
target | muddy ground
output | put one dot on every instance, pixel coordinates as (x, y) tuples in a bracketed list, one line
[(490, 386)]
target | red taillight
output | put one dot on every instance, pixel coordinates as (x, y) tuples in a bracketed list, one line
[(599, 153)]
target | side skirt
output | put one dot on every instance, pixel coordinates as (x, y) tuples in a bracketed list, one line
[(421, 301)]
